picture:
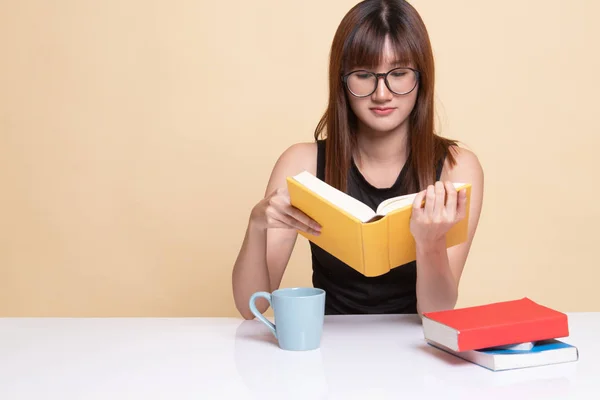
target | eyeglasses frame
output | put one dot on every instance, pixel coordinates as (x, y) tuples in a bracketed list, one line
[(383, 75)]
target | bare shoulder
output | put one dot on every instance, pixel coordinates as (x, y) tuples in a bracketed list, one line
[(299, 156), (293, 160), (467, 167)]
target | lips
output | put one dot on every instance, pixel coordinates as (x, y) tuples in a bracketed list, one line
[(382, 110)]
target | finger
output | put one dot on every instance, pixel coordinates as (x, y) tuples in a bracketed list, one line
[(279, 192), (280, 198), (281, 202), (418, 202), (278, 219), (461, 209), (299, 215), (296, 224), (450, 200), (303, 218), (430, 200), (440, 197)]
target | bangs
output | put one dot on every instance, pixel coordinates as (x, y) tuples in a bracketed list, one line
[(365, 47)]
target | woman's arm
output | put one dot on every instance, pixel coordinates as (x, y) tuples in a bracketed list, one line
[(271, 232), (439, 269)]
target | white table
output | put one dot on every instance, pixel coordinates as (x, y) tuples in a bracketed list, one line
[(361, 357)]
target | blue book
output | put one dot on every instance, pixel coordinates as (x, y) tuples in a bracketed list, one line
[(545, 352)]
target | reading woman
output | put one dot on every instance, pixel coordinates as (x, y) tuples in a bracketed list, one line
[(376, 140)]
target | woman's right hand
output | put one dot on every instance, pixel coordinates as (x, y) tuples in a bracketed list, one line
[(276, 211)]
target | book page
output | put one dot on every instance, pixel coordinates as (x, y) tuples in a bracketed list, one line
[(347, 203), (394, 203)]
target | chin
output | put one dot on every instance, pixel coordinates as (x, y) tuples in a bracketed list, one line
[(383, 126)]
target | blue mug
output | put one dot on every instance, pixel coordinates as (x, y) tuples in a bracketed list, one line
[(299, 315)]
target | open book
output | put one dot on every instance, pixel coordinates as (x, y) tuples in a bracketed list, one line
[(352, 206), (372, 242)]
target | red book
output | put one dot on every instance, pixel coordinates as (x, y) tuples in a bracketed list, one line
[(496, 324)]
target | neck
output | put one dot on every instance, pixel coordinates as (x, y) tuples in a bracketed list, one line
[(388, 149)]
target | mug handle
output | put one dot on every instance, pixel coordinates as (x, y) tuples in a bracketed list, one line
[(257, 314)]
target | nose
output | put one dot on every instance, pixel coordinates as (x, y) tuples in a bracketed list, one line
[(382, 93)]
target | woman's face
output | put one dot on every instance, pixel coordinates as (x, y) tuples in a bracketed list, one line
[(383, 111)]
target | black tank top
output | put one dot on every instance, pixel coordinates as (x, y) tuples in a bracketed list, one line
[(348, 291)]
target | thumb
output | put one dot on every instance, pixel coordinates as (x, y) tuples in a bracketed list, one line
[(417, 206)]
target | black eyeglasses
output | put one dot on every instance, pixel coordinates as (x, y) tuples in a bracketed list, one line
[(362, 83)]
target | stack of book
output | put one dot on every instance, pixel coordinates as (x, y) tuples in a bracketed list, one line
[(502, 336)]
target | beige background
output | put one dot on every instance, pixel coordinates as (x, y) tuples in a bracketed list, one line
[(136, 136)]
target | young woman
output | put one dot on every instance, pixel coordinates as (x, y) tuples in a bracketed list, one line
[(376, 140)]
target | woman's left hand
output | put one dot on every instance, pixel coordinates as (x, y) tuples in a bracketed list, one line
[(444, 207)]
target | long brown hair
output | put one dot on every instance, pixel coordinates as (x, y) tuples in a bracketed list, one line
[(359, 40)]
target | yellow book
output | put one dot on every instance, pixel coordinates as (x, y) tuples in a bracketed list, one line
[(371, 242)]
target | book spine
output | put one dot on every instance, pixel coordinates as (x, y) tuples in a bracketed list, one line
[(375, 243), (531, 331)]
